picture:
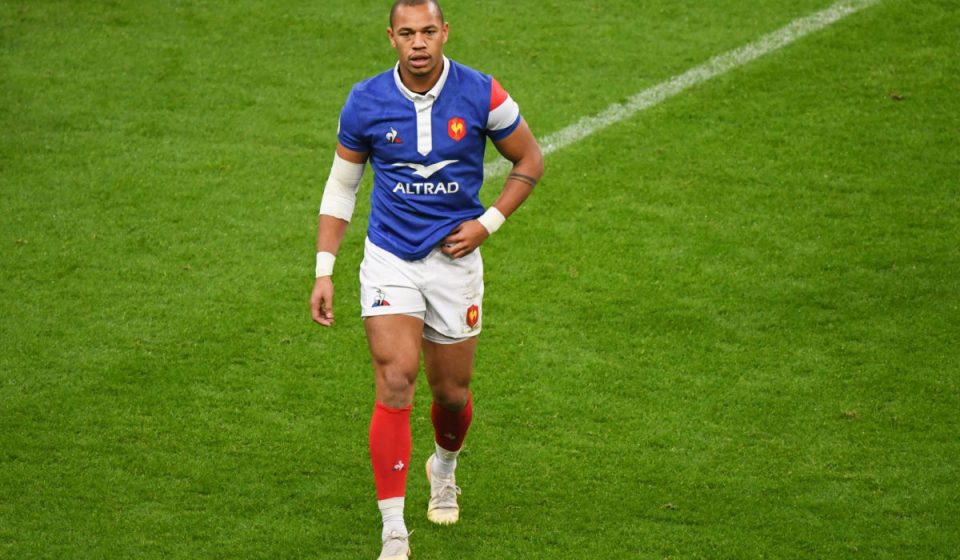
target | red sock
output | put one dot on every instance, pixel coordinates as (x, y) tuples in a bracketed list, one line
[(450, 428), (390, 449)]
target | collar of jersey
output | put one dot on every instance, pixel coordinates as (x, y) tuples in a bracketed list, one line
[(434, 91)]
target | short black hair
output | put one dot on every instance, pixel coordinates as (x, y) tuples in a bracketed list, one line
[(398, 3)]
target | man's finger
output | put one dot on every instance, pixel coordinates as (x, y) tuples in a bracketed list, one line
[(325, 318), (322, 318), (321, 308), (326, 308)]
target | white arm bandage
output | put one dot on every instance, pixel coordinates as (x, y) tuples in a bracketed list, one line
[(325, 263), (492, 219), (340, 194)]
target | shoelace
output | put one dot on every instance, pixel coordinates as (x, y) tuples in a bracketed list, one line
[(398, 536), (397, 547), (447, 493)]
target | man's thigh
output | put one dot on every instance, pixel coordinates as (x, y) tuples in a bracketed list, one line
[(449, 369), (395, 345)]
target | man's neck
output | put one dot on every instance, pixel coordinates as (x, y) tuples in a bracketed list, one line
[(422, 84)]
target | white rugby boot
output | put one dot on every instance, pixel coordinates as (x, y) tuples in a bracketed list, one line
[(395, 547), (443, 508)]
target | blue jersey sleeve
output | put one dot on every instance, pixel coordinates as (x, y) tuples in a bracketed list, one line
[(351, 132), (497, 135)]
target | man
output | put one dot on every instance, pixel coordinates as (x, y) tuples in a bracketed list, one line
[(423, 127)]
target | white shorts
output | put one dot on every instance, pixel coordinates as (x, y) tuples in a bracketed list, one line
[(447, 294)]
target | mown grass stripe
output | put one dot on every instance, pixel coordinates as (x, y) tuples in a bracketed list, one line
[(716, 66)]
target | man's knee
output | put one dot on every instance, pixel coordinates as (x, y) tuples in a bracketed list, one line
[(395, 381), (451, 396)]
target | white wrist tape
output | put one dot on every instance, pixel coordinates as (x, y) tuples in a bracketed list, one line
[(340, 193), (492, 219), (325, 262)]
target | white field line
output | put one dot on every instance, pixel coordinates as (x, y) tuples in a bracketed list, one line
[(716, 66)]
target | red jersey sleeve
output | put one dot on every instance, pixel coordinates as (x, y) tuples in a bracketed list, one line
[(504, 112)]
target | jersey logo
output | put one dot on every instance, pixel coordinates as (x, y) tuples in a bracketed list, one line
[(426, 171), (456, 128), (394, 137), (473, 315)]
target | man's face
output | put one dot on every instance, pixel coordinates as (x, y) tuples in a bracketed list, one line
[(418, 35)]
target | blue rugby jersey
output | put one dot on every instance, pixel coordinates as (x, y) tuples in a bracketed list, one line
[(426, 152)]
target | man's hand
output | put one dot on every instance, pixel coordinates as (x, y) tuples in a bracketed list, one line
[(321, 301), (465, 239)]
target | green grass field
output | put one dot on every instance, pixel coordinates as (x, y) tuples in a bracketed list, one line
[(726, 327)]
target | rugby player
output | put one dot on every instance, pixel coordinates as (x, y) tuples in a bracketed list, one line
[(423, 127)]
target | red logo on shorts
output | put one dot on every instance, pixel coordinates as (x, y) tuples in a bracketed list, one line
[(473, 315), (456, 128)]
